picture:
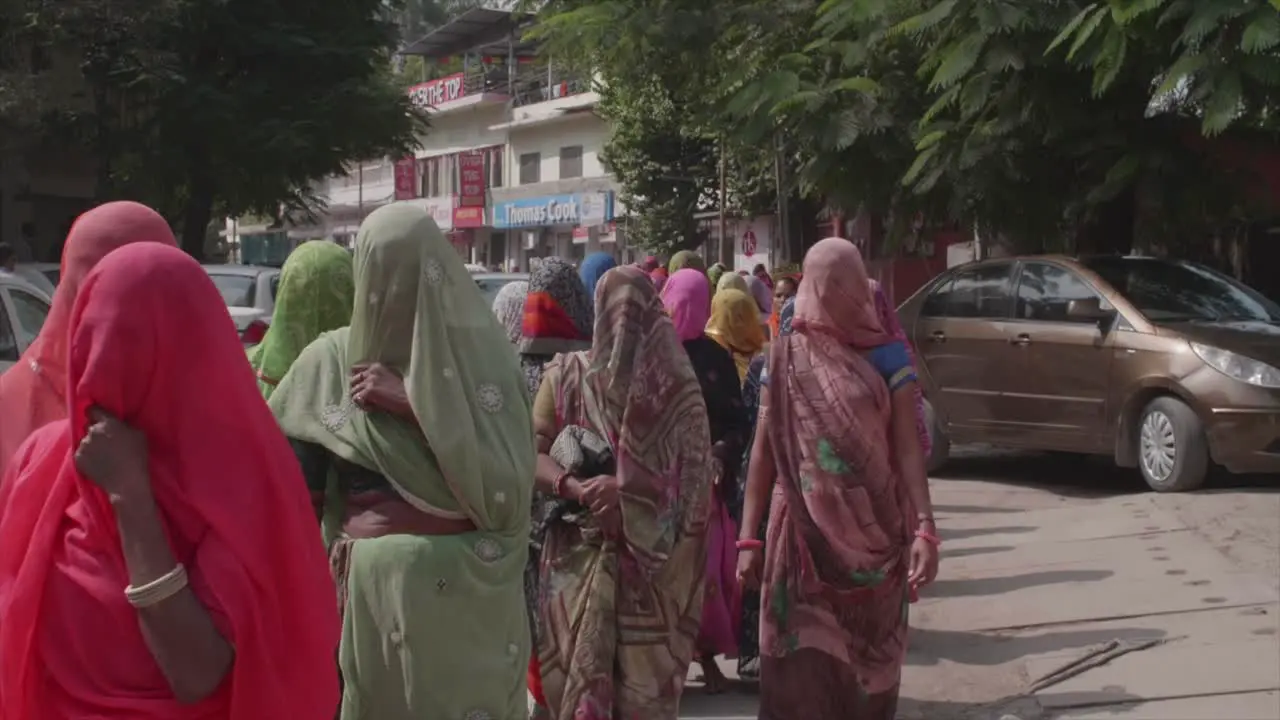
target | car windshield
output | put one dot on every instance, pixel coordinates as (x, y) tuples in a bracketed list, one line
[(237, 290), (1171, 291)]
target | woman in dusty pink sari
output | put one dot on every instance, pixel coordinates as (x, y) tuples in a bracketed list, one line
[(687, 297), (851, 527), (33, 393)]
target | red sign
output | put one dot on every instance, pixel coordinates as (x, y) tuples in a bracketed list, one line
[(748, 243), (468, 217), (581, 234), (471, 174), (406, 170), (438, 92)]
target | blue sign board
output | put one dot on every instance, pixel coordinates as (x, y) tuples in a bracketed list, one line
[(589, 208)]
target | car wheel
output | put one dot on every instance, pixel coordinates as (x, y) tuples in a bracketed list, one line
[(1173, 454), (940, 452)]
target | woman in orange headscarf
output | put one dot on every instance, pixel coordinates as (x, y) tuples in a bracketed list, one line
[(33, 392), (159, 556)]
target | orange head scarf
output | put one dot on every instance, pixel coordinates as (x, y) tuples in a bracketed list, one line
[(33, 392), (150, 342)]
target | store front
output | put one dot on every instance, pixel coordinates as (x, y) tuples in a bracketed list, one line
[(567, 226)]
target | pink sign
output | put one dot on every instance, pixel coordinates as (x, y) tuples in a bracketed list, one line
[(471, 174), (406, 170), (438, 92)]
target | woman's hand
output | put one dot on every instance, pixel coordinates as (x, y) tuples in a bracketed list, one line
[(600, 493), (113, 455), (923, 567), (750, 562), (375, 386)]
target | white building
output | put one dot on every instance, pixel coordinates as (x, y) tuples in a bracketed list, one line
[(511, 166)]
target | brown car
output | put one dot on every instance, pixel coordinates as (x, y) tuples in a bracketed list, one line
[(1161, 364)]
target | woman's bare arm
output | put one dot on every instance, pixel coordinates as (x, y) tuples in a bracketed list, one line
[(760, 475), (548, 470), (906, 440), (190, 651)]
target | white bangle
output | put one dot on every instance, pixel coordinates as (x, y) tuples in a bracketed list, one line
[(158, 590)]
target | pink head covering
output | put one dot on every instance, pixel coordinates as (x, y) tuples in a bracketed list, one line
[(836, 298), (687, 297), (151, 343), (33, 392)]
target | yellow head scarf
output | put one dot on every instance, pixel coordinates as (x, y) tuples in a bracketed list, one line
[(735, 324)]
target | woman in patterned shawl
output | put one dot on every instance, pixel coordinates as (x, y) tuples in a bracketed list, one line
[(508, 306), (851, 524), (732, 281), (557, 318), (315, 296), (715, 272), (417, 422), (889, 321), (622, 586), (687, 259)]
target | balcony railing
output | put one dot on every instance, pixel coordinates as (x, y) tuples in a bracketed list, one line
[(535, 86)]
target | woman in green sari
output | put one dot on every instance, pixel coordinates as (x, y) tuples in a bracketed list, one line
[(416, 421), (314, 296)]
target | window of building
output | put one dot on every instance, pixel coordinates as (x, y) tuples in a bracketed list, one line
[(1044, 291), (530, 168), (493, 167), (439, 175), (571, 162)]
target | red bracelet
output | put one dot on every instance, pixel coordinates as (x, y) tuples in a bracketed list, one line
[(929, 538), (557, 485), (750, 544)]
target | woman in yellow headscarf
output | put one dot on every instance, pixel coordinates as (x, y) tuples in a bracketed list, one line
[(732, 281), (735, 324)]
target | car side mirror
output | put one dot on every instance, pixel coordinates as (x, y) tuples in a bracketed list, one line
[(1087, 310)]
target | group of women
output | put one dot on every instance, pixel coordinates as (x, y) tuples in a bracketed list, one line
[(403, 504)]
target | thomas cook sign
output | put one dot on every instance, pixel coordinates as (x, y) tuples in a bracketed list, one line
[(574, 209)]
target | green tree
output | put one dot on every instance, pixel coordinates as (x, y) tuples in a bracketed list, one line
[(210, 107), (660, 71)]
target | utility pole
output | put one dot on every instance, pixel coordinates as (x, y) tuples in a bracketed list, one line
[(784, 219), (725, 250), (360, 194)]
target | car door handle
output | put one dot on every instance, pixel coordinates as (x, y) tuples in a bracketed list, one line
[(937, 336), (1020, 339)]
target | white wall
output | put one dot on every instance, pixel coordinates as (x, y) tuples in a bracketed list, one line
[(464, 129), (588, 131)]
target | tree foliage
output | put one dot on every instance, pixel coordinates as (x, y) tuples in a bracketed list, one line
[(205, 107), (660, 65), (1046, 124)]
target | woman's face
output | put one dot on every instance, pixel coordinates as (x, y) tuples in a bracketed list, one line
[(784, 290)]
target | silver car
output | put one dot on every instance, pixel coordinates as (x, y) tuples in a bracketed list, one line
[(23, 310), (43, 275), (490, 283), (250, 294)]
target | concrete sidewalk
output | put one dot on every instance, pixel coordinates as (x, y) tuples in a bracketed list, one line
[(1051, 607)]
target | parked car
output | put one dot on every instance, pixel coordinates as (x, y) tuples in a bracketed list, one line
[(490, 283), (23, 310), (1163, 365), (250, 294), (43, 275)]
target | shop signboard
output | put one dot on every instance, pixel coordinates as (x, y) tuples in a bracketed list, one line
[(554, 210), (471, 175), (434, 93), (406, 174), (468, 217)]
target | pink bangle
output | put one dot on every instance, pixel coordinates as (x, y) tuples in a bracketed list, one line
[(750, 544), (929, 538)]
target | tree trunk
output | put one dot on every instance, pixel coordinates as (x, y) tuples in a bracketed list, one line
[(196, 216)]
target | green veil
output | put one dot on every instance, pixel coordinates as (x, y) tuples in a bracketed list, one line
[(418, 311), (315, 295)]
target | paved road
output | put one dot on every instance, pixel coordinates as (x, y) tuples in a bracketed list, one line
[(1053, 561)]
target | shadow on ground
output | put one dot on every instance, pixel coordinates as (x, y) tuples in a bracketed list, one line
[(1010, 583), (742, 703), (1077, 476), (928, 647)]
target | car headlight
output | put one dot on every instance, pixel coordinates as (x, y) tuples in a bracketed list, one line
[(1238, 367)]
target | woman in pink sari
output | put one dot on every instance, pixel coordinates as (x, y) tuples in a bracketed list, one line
[(851, 527), (33, 393), (159, 556), (687, 298)]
